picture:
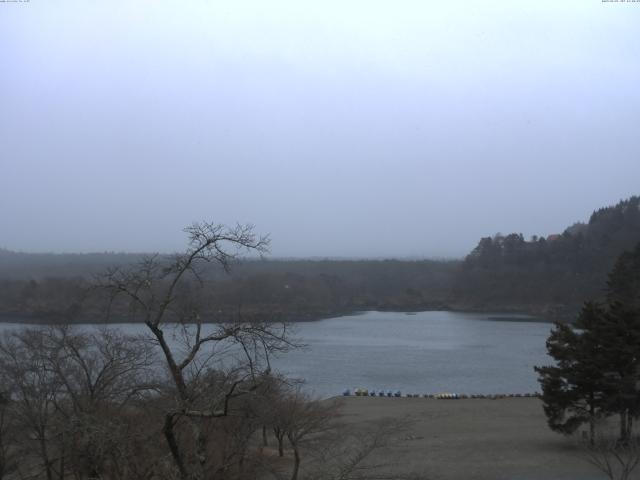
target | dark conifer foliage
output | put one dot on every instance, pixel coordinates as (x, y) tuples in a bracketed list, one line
[(559, 272), (597, 371), (574, 389), (624, 280)]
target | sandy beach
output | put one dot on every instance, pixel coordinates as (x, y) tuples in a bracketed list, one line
[(504, 439)]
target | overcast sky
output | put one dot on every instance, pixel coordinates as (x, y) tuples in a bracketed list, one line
[(342, 128)]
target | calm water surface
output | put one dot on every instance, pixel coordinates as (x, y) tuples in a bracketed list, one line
[(425, 352)]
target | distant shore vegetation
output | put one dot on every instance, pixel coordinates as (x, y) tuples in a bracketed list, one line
[(549, 276)]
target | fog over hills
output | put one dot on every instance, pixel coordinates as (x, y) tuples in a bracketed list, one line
[(344, 129)]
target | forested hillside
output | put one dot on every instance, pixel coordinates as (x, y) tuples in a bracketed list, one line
[(552, 275), (549, 275)]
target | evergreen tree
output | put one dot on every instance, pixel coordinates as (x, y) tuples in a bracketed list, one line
[(597, 371), (624, 280), (619, 335), (622, 339), (574, 390)]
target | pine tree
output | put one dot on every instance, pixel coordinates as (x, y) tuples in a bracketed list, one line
[(597, 371), (623, 285), (574, 390), (620, 339)]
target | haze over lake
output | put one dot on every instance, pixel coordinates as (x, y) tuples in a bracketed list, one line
[(424, 352)]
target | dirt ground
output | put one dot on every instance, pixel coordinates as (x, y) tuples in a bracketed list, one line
[(471, 439)]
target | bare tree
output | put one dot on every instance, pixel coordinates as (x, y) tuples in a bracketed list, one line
[(313, 430), (8, 450), (84, 407), (273, 392), (342, 454), (166, 294), (67, 398), (100, 366), (31, 392), (617, 460), (302, 420), (101, 372), (91, 403)]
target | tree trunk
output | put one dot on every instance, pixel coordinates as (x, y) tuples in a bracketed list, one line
[(45, 455), (169, 435), (201, 448), (624, 434), (296, 462), (265, 443), (175, 371), (61, 473), (279, 434), (592, 423), (280, 447)]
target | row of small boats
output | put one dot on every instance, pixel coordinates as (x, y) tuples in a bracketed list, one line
[(363, 392)]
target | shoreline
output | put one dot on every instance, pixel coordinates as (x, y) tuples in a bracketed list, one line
[(496, 314)]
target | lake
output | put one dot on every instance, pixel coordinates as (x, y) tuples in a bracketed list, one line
[(424, 352)]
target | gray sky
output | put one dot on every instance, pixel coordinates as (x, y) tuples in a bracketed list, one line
[(343, 128)]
